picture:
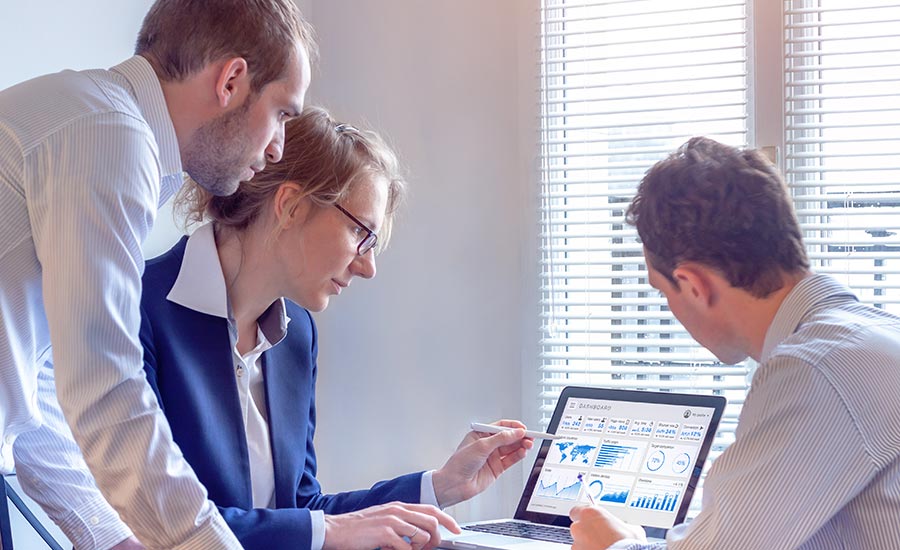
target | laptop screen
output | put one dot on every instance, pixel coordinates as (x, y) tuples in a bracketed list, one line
[(637, 454)]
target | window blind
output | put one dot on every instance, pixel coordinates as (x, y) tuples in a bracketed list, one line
[(623, 84), (842, 146)]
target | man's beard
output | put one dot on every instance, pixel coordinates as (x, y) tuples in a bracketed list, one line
[(216, 153)]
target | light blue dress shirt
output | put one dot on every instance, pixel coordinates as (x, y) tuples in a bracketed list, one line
[(86, 158), (816, 460)]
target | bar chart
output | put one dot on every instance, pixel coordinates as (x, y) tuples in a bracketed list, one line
[(664, 502), (656, 495), (620, 455)]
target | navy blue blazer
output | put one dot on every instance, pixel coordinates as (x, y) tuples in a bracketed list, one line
[(188, 361)]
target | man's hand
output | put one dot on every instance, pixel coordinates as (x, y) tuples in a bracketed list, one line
[(594, 528), (385, 526), (478, 462), (130, 543)]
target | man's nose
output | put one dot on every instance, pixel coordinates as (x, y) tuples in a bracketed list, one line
[(276, 147)]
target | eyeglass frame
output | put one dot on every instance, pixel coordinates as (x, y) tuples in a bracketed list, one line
[(369, 233)]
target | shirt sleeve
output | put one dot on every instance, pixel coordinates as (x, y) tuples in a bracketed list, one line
[(51, 471), (427, 495), (90, 216), (797, 459), (317, 519)]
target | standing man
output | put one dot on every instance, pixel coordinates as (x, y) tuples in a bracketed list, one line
[(816, 459), (86, 158)]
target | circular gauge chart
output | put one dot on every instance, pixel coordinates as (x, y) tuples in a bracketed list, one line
[(681, 463), (656, 460)]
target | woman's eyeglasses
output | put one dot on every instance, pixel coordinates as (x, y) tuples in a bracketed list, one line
[(369, 241)]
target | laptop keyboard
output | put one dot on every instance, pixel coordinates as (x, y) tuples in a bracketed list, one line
[(534, 531)]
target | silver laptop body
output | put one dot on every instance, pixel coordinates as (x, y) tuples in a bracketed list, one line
[(637, 454)]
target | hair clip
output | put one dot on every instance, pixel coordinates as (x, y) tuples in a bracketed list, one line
[(344, 128)]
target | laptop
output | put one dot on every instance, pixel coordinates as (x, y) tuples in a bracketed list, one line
[(637, 454)]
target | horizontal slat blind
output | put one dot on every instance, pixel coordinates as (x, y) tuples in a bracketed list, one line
[(842, 158), (623, 84)]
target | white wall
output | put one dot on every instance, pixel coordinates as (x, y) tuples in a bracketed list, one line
[(439, 337), (43, 36)]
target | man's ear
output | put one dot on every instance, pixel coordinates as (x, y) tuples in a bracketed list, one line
[(290, 206), (696, 281), (233, 82)]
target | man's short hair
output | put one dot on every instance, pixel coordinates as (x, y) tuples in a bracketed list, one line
[(180, 37), (723, 207)]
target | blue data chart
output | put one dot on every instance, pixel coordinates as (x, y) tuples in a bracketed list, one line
[(681, 463), (619, 497), (572, 453), (620, 456), (608, 491), (559, 484), (670, 460), (555, 491), (656, 494), (660, 501), (656, 460)]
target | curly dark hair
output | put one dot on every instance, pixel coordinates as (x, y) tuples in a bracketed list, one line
[(722, 207)]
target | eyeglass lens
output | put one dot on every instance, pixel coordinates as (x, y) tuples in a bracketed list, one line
[(367, 244)]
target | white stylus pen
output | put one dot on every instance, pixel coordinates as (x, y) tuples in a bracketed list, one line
[(491, 429)]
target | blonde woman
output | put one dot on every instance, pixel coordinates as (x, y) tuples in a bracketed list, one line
[(230, 348)]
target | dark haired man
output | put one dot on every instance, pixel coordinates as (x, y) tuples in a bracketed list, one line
[(85, 160), (816, 459)]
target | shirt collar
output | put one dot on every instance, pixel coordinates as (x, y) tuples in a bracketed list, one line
[(200, 286), (809, 294), (150, 99)]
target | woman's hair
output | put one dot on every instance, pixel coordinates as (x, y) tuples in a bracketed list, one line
[(723, 207), (180, 37), (325, 157)]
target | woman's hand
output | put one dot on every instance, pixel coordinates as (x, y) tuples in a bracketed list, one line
[(397, 525), (594, 528), (478, 462)]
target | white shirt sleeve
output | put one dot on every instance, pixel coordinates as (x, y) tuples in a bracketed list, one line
[(317, 520), (427, 495), (51, 471), (767, 490), (88, 225)]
